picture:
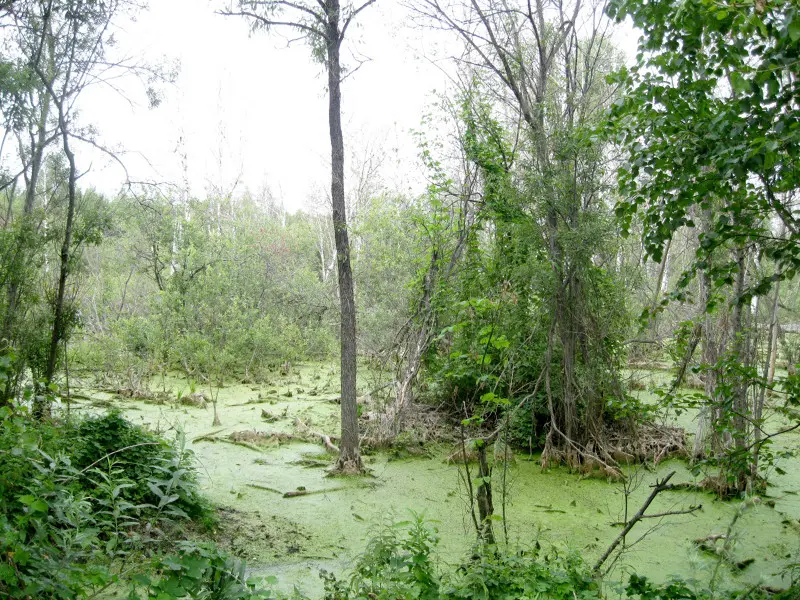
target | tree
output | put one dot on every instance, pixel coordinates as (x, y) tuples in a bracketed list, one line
[(543, 193), (711, 140), (325, 24)]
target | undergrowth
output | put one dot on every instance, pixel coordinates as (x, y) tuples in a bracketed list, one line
[(99, 507)]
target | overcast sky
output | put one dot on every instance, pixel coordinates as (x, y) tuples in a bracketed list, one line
[(253, 108)]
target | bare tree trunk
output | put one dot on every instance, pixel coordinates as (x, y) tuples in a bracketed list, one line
[(660, 283), (710, 357), (768, 374), (350, 455), (740, 407)]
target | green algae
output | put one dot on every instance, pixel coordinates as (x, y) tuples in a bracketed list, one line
[(295, 537)]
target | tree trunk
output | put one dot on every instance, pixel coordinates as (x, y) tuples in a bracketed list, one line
[(40, 406), (484, 496), (710, 356), (350, 455), (740, 408), (38, 143)]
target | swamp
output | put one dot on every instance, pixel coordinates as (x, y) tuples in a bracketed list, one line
[(491, 299)]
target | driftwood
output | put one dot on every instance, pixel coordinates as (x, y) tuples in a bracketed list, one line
[(298, 493), (264, 488), (326, 439), (295, 493), (208, 436)]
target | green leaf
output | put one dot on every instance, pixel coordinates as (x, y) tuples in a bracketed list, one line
[(739, 83), (794, 28)]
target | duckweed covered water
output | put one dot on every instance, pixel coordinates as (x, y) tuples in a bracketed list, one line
[(295, 537)]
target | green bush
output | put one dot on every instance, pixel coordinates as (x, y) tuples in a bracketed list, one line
[(199, 571), (74, 502), (493, 575), (640, 588), (397, 563), (154, 468)]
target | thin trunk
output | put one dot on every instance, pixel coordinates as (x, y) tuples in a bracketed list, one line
[(709, 358), (768, 373), (484, 496), (38, 143), (350, 455), (58, 318), (740, 429), (662, 270)]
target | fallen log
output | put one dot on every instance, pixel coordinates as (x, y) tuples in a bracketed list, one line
[(208, 436), (297, 493), (265, 488)]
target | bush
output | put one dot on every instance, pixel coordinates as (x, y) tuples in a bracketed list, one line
[(152, 469), (493, 575), (396, 564), (73, 501), (640, 588), (200, 571)]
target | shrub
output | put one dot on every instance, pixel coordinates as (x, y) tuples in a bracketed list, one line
[(153, 469), (200, 571), (70, 505)]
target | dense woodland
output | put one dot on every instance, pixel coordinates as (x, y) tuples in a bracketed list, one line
[(587, 219)]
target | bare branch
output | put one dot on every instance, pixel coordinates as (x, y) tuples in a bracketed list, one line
[(265, 22)]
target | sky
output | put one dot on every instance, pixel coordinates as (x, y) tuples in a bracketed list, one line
[(250, 111)]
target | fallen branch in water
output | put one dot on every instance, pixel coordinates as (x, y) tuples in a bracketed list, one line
[(297, 493), (208, 436), (265, 488), (326, 439), (659, 487)]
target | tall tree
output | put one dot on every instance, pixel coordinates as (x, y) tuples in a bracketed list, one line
[(546, 60), (325, 23), (63, 47)]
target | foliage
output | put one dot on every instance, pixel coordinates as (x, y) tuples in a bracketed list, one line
[(703, 118), (639, 588), (499, 312), (495, 575), (159, 474), (401, 566), (201, 572), (709, 146), (69, 511), (397, 563)]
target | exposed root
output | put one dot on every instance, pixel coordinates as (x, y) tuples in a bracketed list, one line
[(349, 463), (197, 399), (648, 442), (468, 452)]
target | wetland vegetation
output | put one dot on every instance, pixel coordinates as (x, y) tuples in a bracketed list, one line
[(565, 369)]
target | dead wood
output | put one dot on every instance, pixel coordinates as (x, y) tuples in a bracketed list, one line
[(326, 439), (265, 488), (297, 493), (658, 487)]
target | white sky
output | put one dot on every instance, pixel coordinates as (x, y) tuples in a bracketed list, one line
[(260, 105), (249, 107)]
